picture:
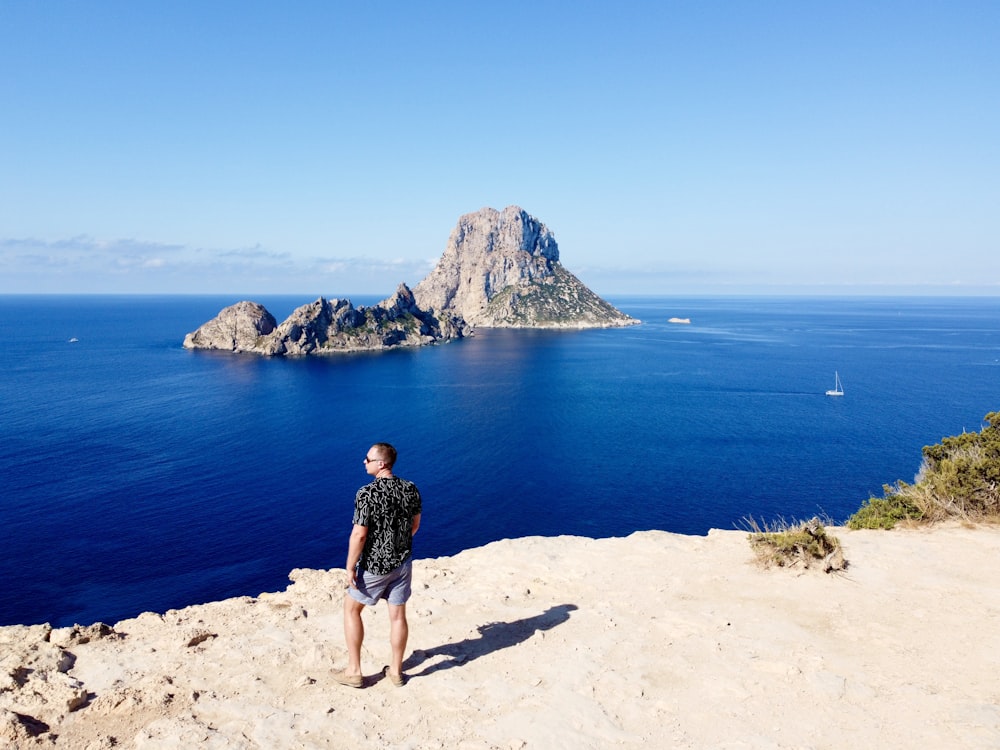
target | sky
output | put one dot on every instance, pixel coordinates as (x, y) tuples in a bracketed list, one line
[(329, 148)]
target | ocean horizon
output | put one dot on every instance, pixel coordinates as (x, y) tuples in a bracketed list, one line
[(138, 476)]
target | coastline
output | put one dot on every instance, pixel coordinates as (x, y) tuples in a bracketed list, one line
[(83, 443), (561, 641)]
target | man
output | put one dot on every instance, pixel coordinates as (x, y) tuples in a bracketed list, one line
[(386, 516)]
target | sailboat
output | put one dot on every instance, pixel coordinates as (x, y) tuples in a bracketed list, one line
[(838, 389)]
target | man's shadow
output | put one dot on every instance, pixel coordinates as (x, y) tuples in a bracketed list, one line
[(493, 636)]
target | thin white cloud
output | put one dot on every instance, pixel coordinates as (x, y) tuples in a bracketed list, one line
[(83, 263), (85, 244), (252, 253), (374, 266)]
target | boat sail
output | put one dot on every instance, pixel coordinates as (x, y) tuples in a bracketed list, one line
[(838, 389)]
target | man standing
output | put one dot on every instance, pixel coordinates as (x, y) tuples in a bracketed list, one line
[(386, 516)]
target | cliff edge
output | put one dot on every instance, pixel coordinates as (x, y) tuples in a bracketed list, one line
[(521, 644)]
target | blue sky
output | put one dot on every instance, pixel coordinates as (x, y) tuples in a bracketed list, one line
[(329, 148)]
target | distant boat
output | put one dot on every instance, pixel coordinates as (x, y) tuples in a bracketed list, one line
[(838, 389), (686, 321), (73, 340)]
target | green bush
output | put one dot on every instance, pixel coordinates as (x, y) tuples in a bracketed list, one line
[(886, 512), (959, 478)]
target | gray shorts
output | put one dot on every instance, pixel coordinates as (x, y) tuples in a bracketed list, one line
[(395, 586)]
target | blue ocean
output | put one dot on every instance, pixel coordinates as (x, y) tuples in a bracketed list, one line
[(136, 475)]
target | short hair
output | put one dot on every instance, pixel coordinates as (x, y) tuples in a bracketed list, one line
[(386, 453)]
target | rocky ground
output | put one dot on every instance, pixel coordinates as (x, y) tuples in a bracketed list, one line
[(657, 638)]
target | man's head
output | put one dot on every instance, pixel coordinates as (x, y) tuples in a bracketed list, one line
[(380, 456)]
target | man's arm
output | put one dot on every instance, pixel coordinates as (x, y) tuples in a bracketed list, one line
[(355, 547), (415, 525)]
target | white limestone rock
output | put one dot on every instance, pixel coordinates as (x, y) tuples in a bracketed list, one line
[(242, 327), (35, 691)]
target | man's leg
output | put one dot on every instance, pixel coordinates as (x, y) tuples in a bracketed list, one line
[(399, 631), (354, 634)]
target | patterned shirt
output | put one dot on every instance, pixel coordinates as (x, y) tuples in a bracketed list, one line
[(386, 507)]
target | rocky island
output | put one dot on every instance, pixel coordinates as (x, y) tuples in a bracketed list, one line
[(500, 269), (326, 327)]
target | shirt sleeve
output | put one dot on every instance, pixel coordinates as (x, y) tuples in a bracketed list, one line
[(416, 504), (362, 508)]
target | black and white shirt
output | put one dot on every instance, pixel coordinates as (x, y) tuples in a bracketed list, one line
[(386, 507)]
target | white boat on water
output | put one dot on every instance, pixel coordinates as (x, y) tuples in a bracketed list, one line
[(838, 389), (682, 321)]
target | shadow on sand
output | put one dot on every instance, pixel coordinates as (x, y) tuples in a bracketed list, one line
[(493, 636)]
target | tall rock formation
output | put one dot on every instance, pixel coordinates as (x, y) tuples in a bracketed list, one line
[(501, 269), (326, 327)]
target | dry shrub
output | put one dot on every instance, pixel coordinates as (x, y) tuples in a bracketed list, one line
[(805, 543)]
